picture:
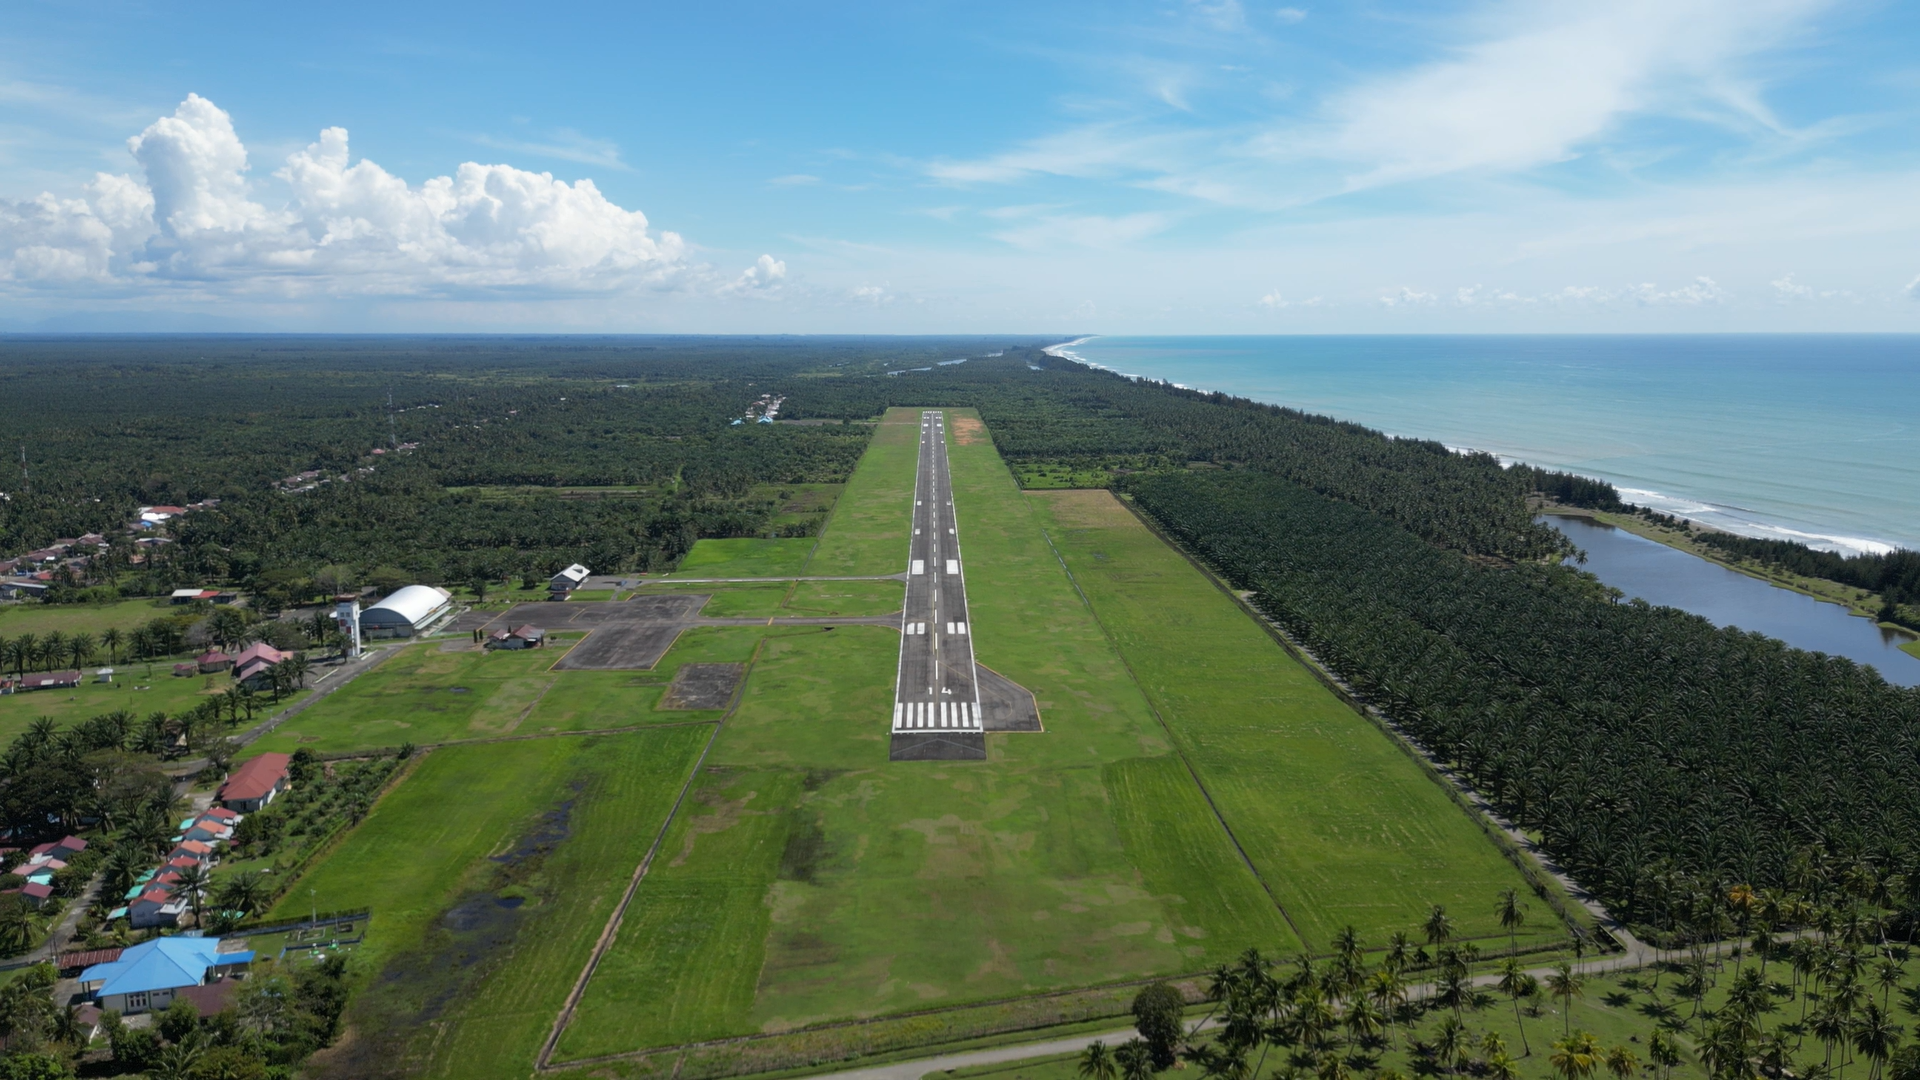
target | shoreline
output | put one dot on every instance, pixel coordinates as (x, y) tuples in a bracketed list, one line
[(1703, 511), (1858, 602)]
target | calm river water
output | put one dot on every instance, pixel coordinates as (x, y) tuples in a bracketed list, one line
[(1662, 575)]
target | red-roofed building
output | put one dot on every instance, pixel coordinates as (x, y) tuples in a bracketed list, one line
[(254, 784), (194, 848), (213, 660), (50, 680), (256, 662)]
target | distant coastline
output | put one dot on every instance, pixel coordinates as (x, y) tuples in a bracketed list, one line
[(1732, 433)]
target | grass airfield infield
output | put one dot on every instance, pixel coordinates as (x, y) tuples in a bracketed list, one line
[(1194, 792)]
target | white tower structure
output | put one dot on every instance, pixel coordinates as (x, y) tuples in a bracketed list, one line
[(347, 614)]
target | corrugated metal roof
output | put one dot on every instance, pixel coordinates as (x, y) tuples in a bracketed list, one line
[(413, 604)]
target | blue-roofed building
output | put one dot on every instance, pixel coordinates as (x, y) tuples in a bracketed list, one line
[(149, 975)]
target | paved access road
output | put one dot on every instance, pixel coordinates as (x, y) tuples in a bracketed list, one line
[(936, 689)]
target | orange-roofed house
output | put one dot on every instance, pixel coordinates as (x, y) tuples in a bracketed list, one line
[(254, 784)]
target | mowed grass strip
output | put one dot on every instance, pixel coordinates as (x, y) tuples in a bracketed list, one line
[(1172, 836), (689, 952), (745, 558), (455, 983), (847, 598), (868, 529), (1342, 825)]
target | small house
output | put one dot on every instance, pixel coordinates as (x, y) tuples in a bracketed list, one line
[(197, 850), (23, 589), (254, 784), (564, 582), (187, 670), (213, 660), (155, 906), (520, 637), (254, 666)]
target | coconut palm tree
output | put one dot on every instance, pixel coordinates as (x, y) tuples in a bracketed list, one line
[(80, 648), (110, 640), (1576, 1056), (1875, 1035), (1565, 984), (1439, 926), (297, 670), (1388, 993), (17, 927), (1363, 1022), (1622, 1062), (1096, 1062), (1513, 915), (1134, 1060), (246, 892), (1517, 984), (1664, 1050), (1450, 1043), (193, 881)]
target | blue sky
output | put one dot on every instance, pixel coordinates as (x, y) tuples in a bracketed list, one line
[(1172, 167)]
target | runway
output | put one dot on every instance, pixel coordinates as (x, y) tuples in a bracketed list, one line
[(936, 706)]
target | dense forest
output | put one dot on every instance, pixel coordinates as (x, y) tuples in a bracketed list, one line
[(1646, 745), (406, 437)]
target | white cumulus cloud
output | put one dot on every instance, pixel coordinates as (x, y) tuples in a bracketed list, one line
[(767, 273), (193, 214)]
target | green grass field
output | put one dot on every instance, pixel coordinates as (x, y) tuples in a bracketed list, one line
[(165, 693), (1344, 828), (867, 533), (848, 598), (453, 981), (43, 619), (808, 879), (856, 887), (745, 558)]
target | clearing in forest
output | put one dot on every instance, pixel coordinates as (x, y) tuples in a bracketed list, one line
[(808, 879)]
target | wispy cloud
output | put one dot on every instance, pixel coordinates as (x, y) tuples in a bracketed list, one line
[(1562, 76), (794, 180), (564, 144)]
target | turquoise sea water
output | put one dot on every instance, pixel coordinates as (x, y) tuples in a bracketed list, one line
[(1814, 438)]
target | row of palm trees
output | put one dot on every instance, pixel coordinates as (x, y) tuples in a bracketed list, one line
[(1329, 1016), (226, 629)]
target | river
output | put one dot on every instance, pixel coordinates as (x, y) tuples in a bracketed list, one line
[(1667, 576)]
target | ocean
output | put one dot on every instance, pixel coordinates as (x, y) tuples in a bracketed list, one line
[(1814, 438)]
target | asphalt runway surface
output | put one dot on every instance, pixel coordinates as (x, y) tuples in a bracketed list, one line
[(936, 709)]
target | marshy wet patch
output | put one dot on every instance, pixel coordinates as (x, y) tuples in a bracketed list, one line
[(472, 939)]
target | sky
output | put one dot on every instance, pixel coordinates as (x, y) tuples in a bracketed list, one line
[(1173, 167)]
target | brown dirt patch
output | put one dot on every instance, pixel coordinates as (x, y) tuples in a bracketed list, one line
[(967, 431), (1087, 508)]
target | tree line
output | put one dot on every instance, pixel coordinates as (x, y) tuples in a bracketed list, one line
[(1640, 742)]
